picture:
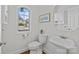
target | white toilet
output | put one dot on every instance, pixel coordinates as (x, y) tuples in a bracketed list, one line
[(35, 47)]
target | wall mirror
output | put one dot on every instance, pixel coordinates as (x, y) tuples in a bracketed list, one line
[(67, 18)]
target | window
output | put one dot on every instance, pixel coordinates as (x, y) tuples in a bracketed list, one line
[(24, 19)]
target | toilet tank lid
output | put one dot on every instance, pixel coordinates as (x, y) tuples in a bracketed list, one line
[(43, 34)]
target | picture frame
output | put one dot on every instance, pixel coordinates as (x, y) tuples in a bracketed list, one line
[(44, 17)]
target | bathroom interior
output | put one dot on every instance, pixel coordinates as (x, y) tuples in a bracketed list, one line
[(39, 29)]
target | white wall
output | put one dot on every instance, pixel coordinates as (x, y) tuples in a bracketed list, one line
[(48, 27), (51, 30), (14, 40)]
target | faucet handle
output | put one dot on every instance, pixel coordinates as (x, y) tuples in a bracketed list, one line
[(2, 43)]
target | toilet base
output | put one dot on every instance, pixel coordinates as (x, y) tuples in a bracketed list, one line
[(36, 51)]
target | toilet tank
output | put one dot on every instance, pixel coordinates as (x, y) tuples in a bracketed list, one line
[(43, 38)]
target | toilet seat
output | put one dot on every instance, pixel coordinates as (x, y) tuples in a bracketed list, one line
[(34, 45)]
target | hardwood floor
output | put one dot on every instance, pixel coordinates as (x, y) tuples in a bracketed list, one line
[(26, 52)]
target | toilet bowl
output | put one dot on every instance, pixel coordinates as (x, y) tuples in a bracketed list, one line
[(35, 47)]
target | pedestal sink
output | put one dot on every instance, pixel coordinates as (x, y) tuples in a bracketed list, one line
[(64, 43)]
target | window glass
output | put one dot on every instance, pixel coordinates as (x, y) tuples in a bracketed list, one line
[(24, 19)]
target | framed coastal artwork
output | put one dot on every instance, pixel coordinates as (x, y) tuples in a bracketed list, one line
[(24, 19), (44, 17)]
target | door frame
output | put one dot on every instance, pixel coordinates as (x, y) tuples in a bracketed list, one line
[(0, 28)]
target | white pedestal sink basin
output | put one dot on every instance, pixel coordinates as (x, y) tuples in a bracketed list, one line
[(60, 45), (64, 43)]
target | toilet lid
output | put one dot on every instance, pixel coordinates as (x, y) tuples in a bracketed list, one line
[(34, 44)]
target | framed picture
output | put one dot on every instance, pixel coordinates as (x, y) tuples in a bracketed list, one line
[(44, 17)]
